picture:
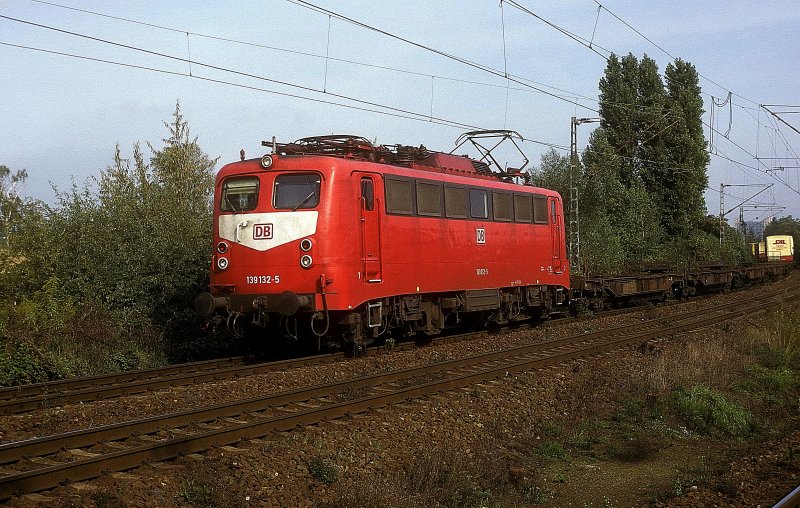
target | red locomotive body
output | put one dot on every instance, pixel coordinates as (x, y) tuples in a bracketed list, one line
[(336, 240)]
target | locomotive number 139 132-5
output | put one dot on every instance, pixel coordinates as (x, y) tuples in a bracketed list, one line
[(263, 279)]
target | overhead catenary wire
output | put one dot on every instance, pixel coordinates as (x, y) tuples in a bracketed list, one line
[(223, 69), (411, 116), (397, 111), (330, 14), (482, 67), (580, 40), (416, 116), (589, 45), (529, 85), (568, 93), (514, 3), (657, 46)]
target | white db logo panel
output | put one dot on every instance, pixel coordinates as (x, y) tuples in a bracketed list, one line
[(480, 235), (262, 231)]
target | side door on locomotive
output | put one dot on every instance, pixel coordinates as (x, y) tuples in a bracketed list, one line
[(370, 189), (556, 233)]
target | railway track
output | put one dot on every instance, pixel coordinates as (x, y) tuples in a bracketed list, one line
[(40, 464), (29, 397), (19, 399), (25, 397)]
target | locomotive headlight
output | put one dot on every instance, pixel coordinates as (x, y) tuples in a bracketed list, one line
[(306, 261), (266, 161), (222, 247), (222, 263), (305, 244)]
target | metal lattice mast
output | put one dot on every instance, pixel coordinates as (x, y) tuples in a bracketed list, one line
[(574, 224), (721, 211), (574, 216)]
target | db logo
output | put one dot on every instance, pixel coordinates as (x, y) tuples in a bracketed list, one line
[(480, 236), (262, 231)]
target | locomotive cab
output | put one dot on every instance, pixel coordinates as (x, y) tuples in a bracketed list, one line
[(265, 219)]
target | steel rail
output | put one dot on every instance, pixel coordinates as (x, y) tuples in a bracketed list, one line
[(62, 385), (125, 459), (85, 391), (23, 398), (791, 500)]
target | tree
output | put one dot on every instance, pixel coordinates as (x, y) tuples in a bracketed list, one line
[(140, 240), (645, 167), (619, 113), (10, 203), (103, 279), (686, 177), (654, 124)]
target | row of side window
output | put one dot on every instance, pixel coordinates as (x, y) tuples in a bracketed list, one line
[(426, 198)]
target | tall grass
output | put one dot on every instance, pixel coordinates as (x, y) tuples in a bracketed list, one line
[(707, 411)]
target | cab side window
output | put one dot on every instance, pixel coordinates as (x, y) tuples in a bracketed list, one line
[(399, 196), (540, 209)]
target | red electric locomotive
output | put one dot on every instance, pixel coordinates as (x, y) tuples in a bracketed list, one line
[(332, 240)]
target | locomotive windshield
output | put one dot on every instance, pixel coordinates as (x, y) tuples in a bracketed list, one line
[(239, 194), (296, 191)]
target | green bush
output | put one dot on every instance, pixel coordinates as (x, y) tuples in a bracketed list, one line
[(323, 470), (705, 410), (779, 381), (20, 363), (552, 450), (104, 279)]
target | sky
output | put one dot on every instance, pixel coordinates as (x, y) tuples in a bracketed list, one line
[(411, 72)]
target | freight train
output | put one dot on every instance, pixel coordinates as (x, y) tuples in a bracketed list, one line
[(334, 241)]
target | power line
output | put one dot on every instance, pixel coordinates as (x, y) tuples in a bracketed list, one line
[(399, 112), (312, 55), (409, 116), (484, 68), (516, 78), (589, 45), (642, 35), (521, 80), (417, 116), (313, 7), (232, 71), (444, 122), (580, 40)]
